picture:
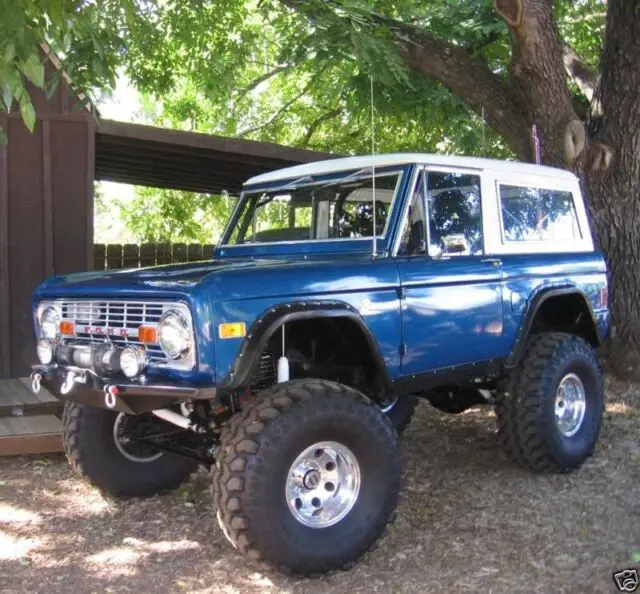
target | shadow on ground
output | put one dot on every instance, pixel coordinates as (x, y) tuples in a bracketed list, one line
[(469, 522)]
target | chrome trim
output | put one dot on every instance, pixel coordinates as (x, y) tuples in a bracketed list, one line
[(176, 313), (141, 357), (124, 317), (570, 405), (323, 484)]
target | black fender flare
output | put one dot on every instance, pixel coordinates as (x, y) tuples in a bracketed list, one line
[(264, 327), (537, 298)]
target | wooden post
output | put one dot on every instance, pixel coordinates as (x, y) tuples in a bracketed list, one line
[(5, 329)]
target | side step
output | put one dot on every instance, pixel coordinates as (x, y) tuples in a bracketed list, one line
[(34, 434)]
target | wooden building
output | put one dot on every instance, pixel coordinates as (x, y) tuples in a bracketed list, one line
[(46, 195), (46, 192)]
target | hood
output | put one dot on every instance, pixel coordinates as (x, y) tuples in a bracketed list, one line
[(227, 279), (170, 278)]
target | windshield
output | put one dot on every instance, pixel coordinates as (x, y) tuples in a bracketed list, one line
[(304, 211)]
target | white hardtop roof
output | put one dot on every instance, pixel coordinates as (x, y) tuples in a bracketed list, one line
[(386, 160)]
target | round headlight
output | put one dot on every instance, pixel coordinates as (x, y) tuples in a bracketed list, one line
[(45, 351), (174, 335), (50, 323), (133, 361)]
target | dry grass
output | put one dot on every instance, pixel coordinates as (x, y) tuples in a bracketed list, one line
[(469, 522)]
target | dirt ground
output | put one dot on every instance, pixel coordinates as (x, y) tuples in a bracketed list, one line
[(469, 522)]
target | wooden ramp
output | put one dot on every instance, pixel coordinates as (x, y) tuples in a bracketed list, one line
[(29, 423)]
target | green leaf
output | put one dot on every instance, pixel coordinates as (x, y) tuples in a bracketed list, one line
[(34, 70), (27, 112), (9, 53), (7, 96), (634, 556)]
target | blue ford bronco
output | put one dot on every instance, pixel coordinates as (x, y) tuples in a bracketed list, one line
[(340, 293)]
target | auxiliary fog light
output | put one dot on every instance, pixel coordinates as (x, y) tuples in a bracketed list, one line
[(45, 351), (133, 360)]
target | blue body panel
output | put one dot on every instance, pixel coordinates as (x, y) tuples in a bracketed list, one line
[(525, 275), (452, 312), (424, 314)]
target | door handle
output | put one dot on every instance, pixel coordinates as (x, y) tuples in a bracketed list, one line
[(494, 261)]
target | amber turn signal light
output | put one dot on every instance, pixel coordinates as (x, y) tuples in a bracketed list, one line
[(67, 328), (148, 335), (232, 330)]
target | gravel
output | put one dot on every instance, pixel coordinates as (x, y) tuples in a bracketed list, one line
[(469, 521)]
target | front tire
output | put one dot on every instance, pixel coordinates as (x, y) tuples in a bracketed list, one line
[(549, 417), (307, 477), (90, 438)]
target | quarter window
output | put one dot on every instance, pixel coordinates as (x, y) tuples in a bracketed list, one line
[(536, 214), (455, 214)]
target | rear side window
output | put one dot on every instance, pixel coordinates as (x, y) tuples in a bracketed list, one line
[(536, 214)]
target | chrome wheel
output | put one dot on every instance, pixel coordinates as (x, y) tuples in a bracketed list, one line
[(388, 405), (570, 405), (323, 484), (136, 452)]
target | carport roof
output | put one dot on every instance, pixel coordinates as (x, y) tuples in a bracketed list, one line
[(149, 156)]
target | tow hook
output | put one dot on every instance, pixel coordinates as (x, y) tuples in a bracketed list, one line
[(110, 393), (36, 378), (71, 380)]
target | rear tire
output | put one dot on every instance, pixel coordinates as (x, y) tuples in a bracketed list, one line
[(549, 417), (90, 445), (400, 411), (270, 475)]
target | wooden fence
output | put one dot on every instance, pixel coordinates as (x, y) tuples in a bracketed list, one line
[(130, 255)]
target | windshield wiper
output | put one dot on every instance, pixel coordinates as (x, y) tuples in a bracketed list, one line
[(351, 176), (292, 185)]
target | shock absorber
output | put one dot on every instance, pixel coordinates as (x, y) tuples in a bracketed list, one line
[(283, 362)]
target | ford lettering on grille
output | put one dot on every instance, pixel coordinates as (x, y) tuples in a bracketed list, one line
[(107, 331)]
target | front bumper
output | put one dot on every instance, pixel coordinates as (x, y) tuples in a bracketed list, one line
[(84, 386)]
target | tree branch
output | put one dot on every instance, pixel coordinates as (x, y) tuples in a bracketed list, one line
[(579, 72), (284, 108), (262, 78), (470, 79), (464, 75), (316, 124)]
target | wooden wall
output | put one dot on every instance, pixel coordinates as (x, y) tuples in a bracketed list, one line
[(46, 212)]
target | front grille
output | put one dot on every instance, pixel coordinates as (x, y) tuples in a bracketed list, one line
[(96, 321)]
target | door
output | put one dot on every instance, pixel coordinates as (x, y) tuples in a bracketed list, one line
[(451, 293)]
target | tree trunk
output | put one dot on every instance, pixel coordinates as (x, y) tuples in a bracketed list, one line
[(605, 153), (614, 194), (607, 159)]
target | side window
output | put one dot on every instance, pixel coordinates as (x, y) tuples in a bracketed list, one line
[(455, 214), (413, 240), (534, 214)]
